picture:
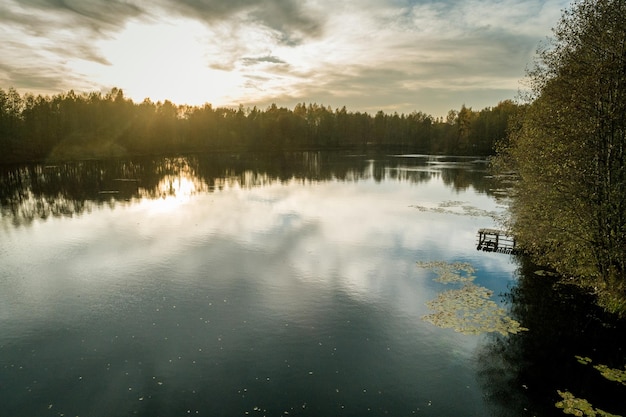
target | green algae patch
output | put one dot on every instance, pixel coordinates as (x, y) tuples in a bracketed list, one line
[(612, 374), (616, 375), (570, 404), (459, 208), (468, 309), (450, 273)]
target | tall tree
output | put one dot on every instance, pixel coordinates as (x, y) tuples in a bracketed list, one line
[(570, 207)]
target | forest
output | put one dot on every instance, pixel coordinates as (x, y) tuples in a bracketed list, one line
[(74, 125)]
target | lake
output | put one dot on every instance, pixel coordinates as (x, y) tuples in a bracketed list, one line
[(287, 284)]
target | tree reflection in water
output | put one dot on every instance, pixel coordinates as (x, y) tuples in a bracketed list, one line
[(40, 191), (531, 367)]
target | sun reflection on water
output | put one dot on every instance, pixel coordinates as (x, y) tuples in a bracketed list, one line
[(174, 191)]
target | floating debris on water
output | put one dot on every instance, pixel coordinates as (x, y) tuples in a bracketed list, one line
[(459, 208), (469, 309), (451, 203)]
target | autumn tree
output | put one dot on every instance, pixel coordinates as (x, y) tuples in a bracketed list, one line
[(570, 206)]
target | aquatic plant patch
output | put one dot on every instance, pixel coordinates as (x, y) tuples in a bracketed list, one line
[(459, 208), (570, 404), (612, 374), (468, 309)]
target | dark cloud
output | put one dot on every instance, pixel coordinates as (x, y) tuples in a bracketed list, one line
[(37, 68), (48, 33), (78, 50), (287, 17), (42, 16), (269, 59), (40, 78)]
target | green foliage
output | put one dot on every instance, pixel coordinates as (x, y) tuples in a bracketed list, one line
[(567, 146), (95, 125)]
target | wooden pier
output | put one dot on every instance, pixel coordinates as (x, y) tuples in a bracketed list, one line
[(493, 240)]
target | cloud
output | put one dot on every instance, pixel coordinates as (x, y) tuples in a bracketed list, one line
[(40, 16), (399, 55), (263, 59), (43, 69), (428, 54), (58, 31), (291, 19), (39, 37)]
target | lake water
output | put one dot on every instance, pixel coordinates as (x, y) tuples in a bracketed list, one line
[(233, 285)]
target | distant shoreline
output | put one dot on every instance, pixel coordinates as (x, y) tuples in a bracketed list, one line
[(95, 126)]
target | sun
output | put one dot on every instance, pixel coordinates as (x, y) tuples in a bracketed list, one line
[(166, 61)]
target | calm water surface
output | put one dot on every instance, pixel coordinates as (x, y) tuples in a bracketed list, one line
[(240, 285)]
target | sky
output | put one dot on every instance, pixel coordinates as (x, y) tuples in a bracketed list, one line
[(368, 55)]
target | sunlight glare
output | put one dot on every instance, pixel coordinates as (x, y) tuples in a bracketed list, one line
[(167, 61), (173, 191)]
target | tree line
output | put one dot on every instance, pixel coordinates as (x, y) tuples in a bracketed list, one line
[(91, 125), (568, 148)]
